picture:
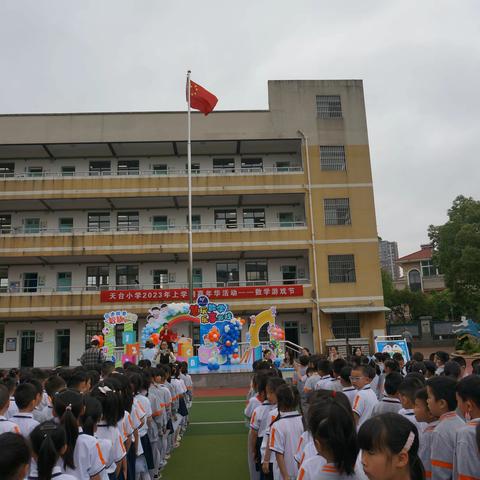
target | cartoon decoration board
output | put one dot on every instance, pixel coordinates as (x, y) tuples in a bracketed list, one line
[(391, 346), (131, 348)]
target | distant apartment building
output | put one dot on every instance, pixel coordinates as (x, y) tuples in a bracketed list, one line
[(388, 252)]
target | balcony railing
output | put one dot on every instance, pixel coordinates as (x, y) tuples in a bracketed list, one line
[(204, 227), (171, 285), (148, 173)]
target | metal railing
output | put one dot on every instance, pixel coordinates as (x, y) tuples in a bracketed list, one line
[(154, 173), (204, 227)]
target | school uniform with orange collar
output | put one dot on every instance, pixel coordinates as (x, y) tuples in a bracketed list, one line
[(8, 426), (306, 448), (466, 463), (364, 403), (322, 382), (26, 423), (350, 392), (285, 434), (111, 434), (57, 473), (425, 448)]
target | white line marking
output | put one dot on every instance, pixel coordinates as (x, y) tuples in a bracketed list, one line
[(220, 401), (217, 423)]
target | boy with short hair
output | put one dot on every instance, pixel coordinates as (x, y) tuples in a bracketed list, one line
[(6, 425), (347, 388), (334, 383), (440, 359), (407, 391), (390, 401), (324, 368), (466, 463), (365, 399), (11, 384), (442, 402), (26, 400), (398, 357), (463, 364), (53, 385)]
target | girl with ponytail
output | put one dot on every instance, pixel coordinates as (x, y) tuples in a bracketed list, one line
[(49, 444), (389, 445), (83, 457)]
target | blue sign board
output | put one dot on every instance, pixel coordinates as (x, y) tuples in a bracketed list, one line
[(393, 346)]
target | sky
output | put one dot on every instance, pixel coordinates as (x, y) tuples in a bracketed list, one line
[(419, 60)]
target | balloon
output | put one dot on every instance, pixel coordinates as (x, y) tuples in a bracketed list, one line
[(155, 338)]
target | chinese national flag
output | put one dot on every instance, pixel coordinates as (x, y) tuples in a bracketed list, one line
[(201, 99)]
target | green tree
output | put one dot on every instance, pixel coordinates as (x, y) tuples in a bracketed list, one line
[(457, 253)]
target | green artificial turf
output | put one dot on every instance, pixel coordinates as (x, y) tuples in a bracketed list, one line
[(212, 451)]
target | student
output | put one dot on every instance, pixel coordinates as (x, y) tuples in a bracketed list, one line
[(390, 401), (11, 384), (285, 432), (365, 398), (334, 383), (79, 381), (430, 369), (83, 457), (463, 364), (53, 385), (391, 366), (442, 403), (406, 392), (108, 367), (300, 367), (37, 411), (452, 369), (347, 388), (324, 368), (49, 443), (334, 432), (26, 400), (312, 379), (441, 358), (398, 357), (6, 425), (466, 463), (424, 415), (15, 457), (389, 445)]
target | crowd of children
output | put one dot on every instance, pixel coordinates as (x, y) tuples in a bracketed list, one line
[(366, 417), (79, 424)]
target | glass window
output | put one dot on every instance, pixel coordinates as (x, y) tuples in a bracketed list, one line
[(346, 325), (197, 278), (224, 165), (32, 225), (254, 217), (196, 222), (99, 222), (195, 168), (289, 274), (3, 279), (35, 171), (160, 279), (127, 277), (227, 274), (30, 282), (256, 272), (337, 211), (127, 221), (128, 167), (414, 281), (226, 218), (7, 170), (68, 171), (5, 223), (341, 268), (252, 164), (428, 268), (332, 158), (100, 167), (64, 281), (160, 169), (98, 277), (329, 106), (65, 225), (286, 219), (282, 166), (160, 222)]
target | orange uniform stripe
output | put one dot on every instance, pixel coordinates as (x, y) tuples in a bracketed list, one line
[(299, 444), (355, 402), (301, 474), (272, 438), (466, 477), (439, 463), (428, 474), (100, 454)]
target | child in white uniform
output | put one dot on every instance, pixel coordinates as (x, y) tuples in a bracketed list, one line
[(365, 399), (6, 425), (15, 457), (407, 391), (25, 399)]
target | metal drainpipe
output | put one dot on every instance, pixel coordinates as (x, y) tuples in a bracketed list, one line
[(312, 233)]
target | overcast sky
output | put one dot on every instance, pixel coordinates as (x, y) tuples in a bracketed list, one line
[(419, 60)]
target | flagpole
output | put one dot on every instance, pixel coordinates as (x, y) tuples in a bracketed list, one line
[(189, 163)]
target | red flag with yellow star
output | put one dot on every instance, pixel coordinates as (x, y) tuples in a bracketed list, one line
[(201, 99)]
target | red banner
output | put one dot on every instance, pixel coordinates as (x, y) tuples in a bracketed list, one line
[(181, 294)]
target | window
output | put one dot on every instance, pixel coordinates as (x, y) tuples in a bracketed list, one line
[(30, 282), (282, 166), (7, 170), (197, 278), (65, 225), (254, 218), (345, 325), (64, 281), (100, 167), (119, 329), (226, 218), (195, 168), (227, 274), (289, 274), (224, 165), (428, 268), (5, 223), (160, 279), (31, 225), (329, 106), (35, 171), (160, 222), (196, 222), (127, 221), (286, 219), (2, 336), (68, 171), (337, 211), (341, 268), (256, 272), (128, 167), (414, 281), (252, 164), (332, 158), (3, 279), (127, 276), (98, 277), (92, 327), (160, 170), (99, 222)]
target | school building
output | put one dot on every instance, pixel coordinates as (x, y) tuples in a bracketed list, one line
[(93, 218)]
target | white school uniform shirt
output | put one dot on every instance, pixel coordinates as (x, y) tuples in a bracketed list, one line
[(285, 434), (364, 403), (272, 415), (306, 448), (259, 420), (333, 384), (410, 415), (57, 473), (466, 463), (26, 423), (87, 457), (310, 383), (8, 426), (252, 404), (311, 468), (12, 408), (350, 392), (387, 405), (425, 448), (106, 448), (320, 385), (144, 404), (112, 435)]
